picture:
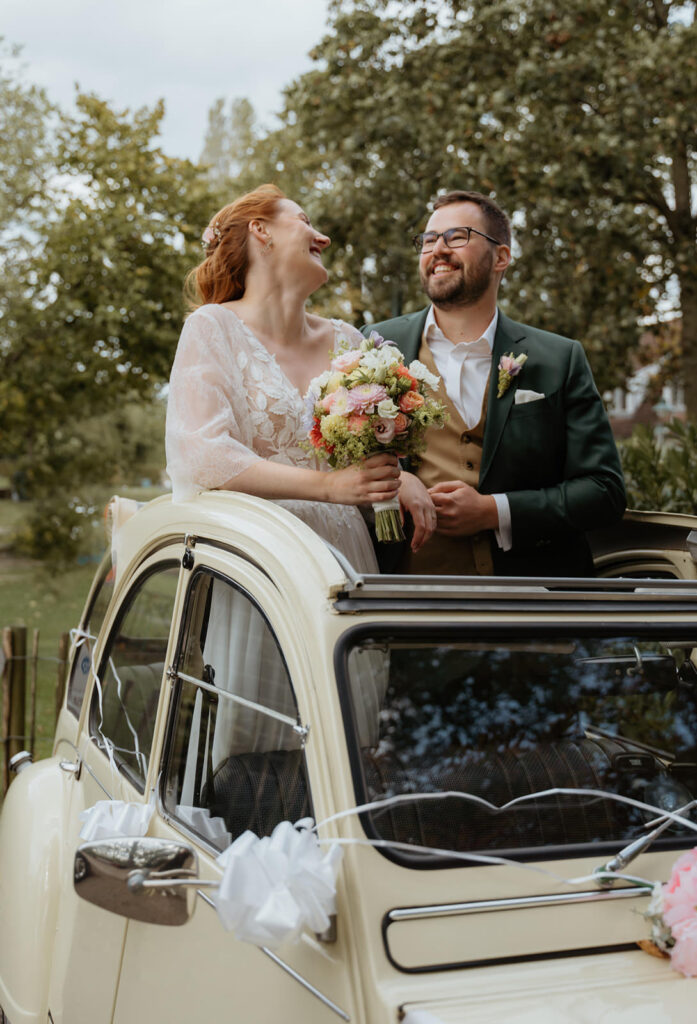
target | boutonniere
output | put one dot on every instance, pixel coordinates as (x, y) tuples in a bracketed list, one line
[(509, 367)]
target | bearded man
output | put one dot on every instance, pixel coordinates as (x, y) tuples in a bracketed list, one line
[(527, 462)]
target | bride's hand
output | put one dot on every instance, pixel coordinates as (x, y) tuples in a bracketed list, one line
[(374, 479), (415, 499)]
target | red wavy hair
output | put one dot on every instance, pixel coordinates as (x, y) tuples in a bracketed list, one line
[(222, 274)]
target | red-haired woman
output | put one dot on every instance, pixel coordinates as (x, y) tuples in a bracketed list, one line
[(236, 415)]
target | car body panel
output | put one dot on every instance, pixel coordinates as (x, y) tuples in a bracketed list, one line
[(483, 941)]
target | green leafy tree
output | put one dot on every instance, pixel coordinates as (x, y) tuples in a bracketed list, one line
[(96, 309), (229, 141), (578, 117)]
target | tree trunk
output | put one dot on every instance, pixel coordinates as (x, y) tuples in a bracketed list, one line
[(688, 302)]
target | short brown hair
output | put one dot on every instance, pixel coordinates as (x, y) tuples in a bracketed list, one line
[(497, 222), (222, 274)]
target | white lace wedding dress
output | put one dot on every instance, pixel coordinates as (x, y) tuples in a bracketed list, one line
[(229, 405)]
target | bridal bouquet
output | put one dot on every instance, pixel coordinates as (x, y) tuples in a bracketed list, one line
[(368, 402)]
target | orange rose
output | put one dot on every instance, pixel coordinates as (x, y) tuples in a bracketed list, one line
[(401, 371), (412, 400), (401, 423), (356, 422)]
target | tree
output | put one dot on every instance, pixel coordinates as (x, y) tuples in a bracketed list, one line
[(95, 311), (229, 140), (579, 117), (26, 155)]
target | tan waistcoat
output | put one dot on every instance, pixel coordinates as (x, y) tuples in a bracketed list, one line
[(453, 453)]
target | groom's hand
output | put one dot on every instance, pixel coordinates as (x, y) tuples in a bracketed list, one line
[(463, 511)]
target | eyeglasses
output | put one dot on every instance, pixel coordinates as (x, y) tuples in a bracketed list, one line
[(454, 238)]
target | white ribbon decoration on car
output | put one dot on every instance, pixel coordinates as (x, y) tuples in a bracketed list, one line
[(109, 818), (275, 886)]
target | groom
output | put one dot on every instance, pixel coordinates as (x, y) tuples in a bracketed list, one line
[(527, 462)]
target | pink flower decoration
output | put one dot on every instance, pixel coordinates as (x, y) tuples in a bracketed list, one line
[(364, 397), (683, 955), (510, 366), (356, 422), (680, 892), (384, 430), (346, 362), (208, 235)]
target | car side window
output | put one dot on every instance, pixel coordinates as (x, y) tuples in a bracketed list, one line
[(235, 757), (127, 685), (92, 623)]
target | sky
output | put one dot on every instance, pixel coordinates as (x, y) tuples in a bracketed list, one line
[(189, 52)]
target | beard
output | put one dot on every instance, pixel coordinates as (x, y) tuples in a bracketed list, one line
[(458, 289)]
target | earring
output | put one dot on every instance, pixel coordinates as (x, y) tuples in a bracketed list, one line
[(269, 245)]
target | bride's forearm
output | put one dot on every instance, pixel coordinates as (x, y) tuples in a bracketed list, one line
[(276, 480), (376, 479)]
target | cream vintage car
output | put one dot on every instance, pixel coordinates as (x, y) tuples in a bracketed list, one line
[(236, 673)]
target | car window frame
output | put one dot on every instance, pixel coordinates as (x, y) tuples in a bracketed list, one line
[(159, 562), (224, 571), (486, 631)]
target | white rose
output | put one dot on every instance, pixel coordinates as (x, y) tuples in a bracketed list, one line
[(387, 409)]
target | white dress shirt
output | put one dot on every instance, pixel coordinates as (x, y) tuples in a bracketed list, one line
[(465, 369)]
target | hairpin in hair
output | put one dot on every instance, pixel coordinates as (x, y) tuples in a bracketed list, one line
[(211, 234)]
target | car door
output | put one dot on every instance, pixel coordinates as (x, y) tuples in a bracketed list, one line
[(235, 757), (111, 761)]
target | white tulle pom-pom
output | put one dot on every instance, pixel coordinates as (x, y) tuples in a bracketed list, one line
[(109, 818), (274, 887)]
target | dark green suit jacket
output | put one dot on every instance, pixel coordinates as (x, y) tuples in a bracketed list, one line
[(554, 458)]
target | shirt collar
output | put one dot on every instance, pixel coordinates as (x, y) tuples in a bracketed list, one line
[(433, 332)]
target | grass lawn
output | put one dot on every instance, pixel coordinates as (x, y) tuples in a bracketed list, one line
[(52, 602)]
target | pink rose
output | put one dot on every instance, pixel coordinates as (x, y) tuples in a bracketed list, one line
[(356, 422), (384, 430), (680, 892), (364, 397), (328, 401), (401, 422), (683, 955), (412, 400), (346, 362)]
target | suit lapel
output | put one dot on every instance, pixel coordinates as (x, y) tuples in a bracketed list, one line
[(510, 337)]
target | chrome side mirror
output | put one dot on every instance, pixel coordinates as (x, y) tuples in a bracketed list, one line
[(142, 878)]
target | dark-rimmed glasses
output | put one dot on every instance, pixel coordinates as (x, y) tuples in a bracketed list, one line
[(454, 238)]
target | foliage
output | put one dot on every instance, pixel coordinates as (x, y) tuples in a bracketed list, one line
[(229, 140), (659, 468), (92, 315), (578, 117), (26, 155)]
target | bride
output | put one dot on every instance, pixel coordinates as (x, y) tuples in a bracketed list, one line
[(235, 414)]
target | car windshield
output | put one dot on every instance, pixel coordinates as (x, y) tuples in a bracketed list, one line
[(508, 716)]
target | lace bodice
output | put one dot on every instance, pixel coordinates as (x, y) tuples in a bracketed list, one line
[(230, 404)]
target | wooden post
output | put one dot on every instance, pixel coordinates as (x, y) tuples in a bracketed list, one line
[(32, 703), (63, 650), (7, 651), (18, 692)]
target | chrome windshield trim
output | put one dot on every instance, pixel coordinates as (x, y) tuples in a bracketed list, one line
[(515, 903)]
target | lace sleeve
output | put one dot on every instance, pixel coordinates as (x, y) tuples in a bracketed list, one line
[(208, 435)]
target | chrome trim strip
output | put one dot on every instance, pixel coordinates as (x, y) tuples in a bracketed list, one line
[(289, 970), (516, 903), (286, 719)]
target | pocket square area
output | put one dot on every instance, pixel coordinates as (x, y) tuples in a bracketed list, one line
[(522, 396)]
